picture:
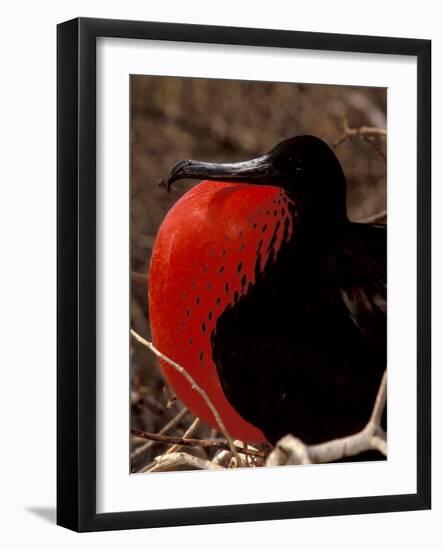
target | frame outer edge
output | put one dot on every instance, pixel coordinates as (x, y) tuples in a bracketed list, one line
[(251, 36), (87, 259), (76, 274), (424, 275), (67, 274)]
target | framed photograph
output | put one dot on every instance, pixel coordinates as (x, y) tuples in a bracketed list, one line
[(232, 203)]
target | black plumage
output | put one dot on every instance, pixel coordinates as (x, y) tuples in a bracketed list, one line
[(304, 351)]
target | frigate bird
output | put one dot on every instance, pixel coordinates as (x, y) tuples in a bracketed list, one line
[(266, 293)]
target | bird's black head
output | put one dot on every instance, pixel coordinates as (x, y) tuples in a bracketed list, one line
[(304, 166)]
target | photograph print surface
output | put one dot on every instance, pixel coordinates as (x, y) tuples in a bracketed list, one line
[(258, 274)]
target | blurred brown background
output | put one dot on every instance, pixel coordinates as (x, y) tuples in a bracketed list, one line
[(177, 118)]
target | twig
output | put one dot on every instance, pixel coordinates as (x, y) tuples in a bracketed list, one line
[(195, 386), (375, 218), (190, 430), (361, 131), (290, 450), (222, 458), (189, 442), (365, 440), (174, 461), (375, 147), (379, 404), (365, 133), (379, 443), (169, 426)]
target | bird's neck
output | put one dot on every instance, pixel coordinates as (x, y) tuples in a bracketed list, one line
[(311, 212)]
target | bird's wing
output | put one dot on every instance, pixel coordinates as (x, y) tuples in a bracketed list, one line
[(357, 263)]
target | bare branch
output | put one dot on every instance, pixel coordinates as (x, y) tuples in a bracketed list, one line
[(194, 386), (361, 131), (177, 461), (222, 458), (379, 443), (255, 458), (376, 148), (290, 450), (169, 426), (379, 404), (347, 446), (379, 217), (190, 430), (366, 133), (189, 442)]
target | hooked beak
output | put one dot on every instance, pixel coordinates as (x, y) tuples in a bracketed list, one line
[(258, 171)]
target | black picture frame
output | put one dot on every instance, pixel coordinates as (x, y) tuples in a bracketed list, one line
[(76, 273)]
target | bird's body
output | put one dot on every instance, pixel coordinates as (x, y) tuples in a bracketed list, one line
[(298, 349), (274, 303)]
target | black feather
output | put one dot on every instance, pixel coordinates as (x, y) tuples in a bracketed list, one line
[(304, 351)]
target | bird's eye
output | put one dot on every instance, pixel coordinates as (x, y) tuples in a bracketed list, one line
[(295, 160), (296, 163)]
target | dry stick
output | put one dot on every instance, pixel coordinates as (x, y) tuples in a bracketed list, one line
[(189, 442), (364, 132), (376, 148), (186, 435), (379, 404), (195, 386), (371, 437), (361, 131), (167, 463), (374, 218), (169, 426)]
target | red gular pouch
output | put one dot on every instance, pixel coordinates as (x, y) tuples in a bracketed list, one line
[(207, 254)]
